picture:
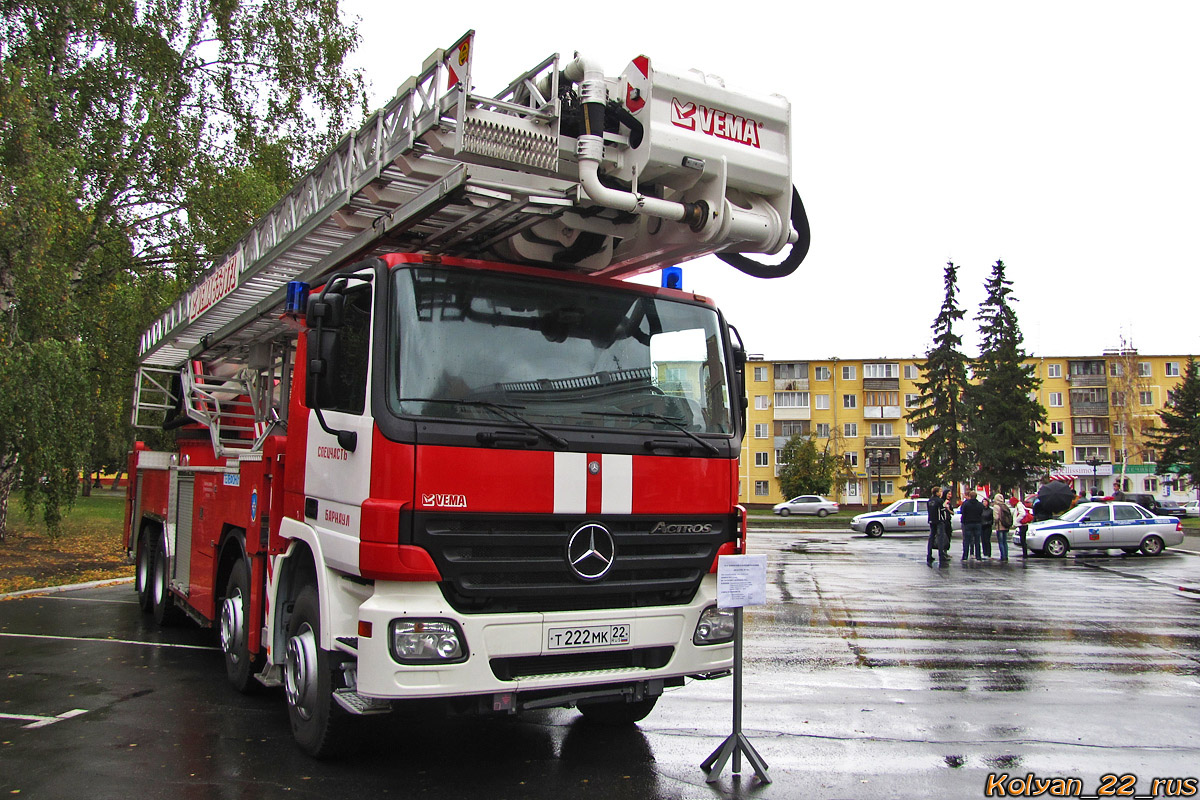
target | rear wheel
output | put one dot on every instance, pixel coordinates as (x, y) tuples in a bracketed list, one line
[(319, 725), (162, 602), (1152, 546), (234, 627), (145, 570), (1056, 546), (822, 512), (618, 712), (875, 530)]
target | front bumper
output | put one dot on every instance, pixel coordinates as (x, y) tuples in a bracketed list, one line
[(495, 642)]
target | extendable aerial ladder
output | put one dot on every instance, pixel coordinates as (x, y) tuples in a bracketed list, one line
[(564, 167)]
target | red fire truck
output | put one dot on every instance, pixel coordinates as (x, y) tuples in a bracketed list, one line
[(427, 445)]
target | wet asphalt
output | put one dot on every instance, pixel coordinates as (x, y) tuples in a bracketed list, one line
[(867, 675)]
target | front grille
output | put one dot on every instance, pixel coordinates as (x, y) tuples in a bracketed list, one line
[(494, 564), (514, 669)]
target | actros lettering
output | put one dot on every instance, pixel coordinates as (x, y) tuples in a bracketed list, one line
[(664, 527)]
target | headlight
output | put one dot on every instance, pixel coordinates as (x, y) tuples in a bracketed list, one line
[(715, 626), (427, 641)]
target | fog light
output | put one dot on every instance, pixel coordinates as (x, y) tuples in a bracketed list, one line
[(427, 641), (715, 626)]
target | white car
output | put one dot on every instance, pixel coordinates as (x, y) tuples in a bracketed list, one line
[(806, 504), (902, 515), (1103, 526), (1192, 508)]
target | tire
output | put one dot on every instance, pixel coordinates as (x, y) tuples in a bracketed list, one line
[(1129, 550), (822, 512), (319, 725), (162, 602), (784, 512), (875, 530), (144, 570), (1152, 546), (618, 713), (234, 628), (1056, 547)]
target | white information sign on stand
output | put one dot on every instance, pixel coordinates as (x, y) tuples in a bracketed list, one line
[(741, 581)]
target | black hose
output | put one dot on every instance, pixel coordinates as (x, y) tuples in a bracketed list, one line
[(788, 265)]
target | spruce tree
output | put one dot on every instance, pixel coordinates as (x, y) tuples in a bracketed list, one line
[(1007, 428), (1179, 436), (942, 456)]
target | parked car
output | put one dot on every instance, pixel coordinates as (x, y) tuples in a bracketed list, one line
[(1170, 508), (1103, 526), (806, 504), (1149, 502), (902, 515), (1192, 508)]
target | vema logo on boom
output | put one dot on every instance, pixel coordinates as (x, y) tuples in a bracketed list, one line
[(714, 122)]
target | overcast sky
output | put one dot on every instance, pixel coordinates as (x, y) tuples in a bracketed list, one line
[(1061, 137)]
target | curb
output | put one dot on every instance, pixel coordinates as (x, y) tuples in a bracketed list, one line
[(67, 588)]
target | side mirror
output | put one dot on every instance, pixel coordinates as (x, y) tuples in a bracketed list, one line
[(325, 316)]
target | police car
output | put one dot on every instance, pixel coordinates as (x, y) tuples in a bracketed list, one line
[(902, 515), (1103, 526)]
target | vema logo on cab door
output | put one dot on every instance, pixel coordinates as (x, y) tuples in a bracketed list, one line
[(437, 500)]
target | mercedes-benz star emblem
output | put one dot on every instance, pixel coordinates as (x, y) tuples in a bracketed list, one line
[(591, 551)]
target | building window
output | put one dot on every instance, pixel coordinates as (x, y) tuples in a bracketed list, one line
[(1084, 454), (1172, 369), (881, 370), (762, 488), (911, 372), (790, 428), (762, 459), (1054, 370), (881, 429), (822, 430), (762, 402), (821, 373), (791, 371), (1144, 369), (882, 487), (851, 489), (850, 430), (822, 402), (1118, 398), (1088, 425), (791, 399), (849, 372), (849, 401), (779, 460), (910, 429), (760, 430), (912, 400), (1120, 455), (760, 373), (1118, 428), (1057, 428), (1146, 398), (1125, 484), (1149, 457), (1150, 484), (881, 398), (1115, 369), (1056, 399), (852, 458), (1059, 456)]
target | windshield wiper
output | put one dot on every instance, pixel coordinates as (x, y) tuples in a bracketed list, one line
[(658, 418), (496, 408)]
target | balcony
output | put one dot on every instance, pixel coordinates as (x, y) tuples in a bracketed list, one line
[(1089, 409), (1082, 381), (881, 384), (791, 384), (1082, 439), (881, 412), (882, 442)]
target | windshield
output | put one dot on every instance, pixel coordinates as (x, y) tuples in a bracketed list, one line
[(1075, 513), (470, 341)]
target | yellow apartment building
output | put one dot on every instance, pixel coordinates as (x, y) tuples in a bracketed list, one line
[(1097, 409)]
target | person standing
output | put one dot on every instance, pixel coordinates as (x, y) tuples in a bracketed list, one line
[(972, 525), (1020, 519), (946, 515), (985, 530), (1002, 521), (934, 511)]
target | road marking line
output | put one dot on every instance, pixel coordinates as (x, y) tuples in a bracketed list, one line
[(112, 641), (89, 600), (41, 722)]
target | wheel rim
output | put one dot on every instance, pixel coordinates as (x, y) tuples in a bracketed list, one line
[(143, 567), (783, 512), (1056, 547), (159, 586), (822, 512), (874, 529), (232, 625), (300, 671), (1152, 546)]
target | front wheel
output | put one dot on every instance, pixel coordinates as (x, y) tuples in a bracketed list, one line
[(1152, 546), (1056, 547), (875, 530), (144, 573), (617, 713), (783, 512), (319, 725), (234, 626)]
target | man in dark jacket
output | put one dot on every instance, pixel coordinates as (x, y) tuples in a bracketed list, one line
[(935, 523), (972, 525)]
